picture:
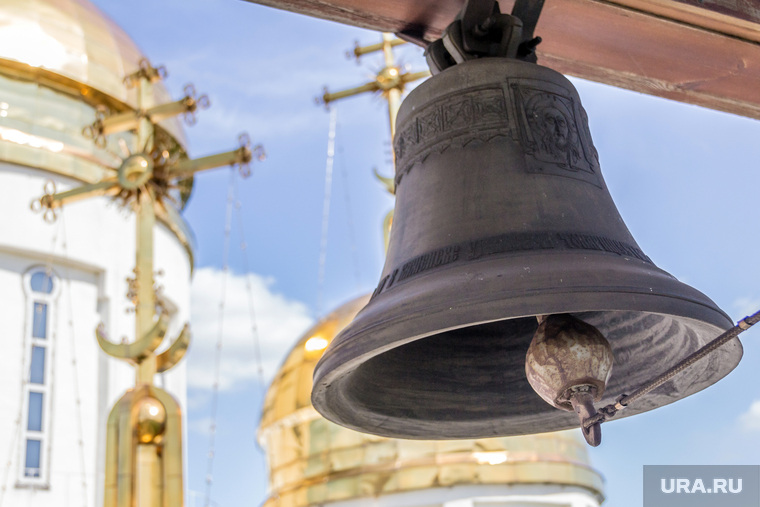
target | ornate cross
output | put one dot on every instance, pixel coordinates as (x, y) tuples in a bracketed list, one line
[(390, 81), (144, 435)]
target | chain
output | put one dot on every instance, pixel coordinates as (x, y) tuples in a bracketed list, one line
[(219, 340)]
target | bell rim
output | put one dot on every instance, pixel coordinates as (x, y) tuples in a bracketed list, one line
[(336, 364)]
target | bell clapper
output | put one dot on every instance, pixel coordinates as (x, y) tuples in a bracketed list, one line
[(582, 400), (568, 364)]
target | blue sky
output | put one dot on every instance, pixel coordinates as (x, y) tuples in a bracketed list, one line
[(683, 178)]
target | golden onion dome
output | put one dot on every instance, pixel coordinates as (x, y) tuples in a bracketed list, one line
[(72, 40), (314, 462), (63, 63)]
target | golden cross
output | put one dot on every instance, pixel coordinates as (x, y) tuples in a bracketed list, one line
[(391, 82), (144, 435)]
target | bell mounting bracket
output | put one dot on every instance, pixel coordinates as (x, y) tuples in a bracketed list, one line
[(480, 30)]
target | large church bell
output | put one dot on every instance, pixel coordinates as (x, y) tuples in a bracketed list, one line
[(513, 297)]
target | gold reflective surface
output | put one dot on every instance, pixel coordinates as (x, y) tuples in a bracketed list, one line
[(41, 127), (313, 461), (73, 39), (60, 62)]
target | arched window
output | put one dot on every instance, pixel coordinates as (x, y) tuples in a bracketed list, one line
[(42, 282), (41, 288)]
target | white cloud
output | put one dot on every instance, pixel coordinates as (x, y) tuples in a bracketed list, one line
[(280, 322), (750, 420)]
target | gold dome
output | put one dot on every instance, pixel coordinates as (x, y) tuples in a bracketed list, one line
[(61, 63), (313, 461), (73, 44)]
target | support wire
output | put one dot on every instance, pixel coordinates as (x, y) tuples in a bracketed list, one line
[(326, 209), (249, 290), (219, 340), (350, 221), (74, 364)]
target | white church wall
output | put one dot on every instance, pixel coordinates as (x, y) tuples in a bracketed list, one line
[(90, 251), (482, 495)]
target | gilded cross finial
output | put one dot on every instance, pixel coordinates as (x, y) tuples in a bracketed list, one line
[(390, 81), (144, 433)]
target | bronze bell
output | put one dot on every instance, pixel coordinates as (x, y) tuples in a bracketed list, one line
[(502, 215)]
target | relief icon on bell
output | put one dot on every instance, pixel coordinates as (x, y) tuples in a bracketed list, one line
[(551, 134)]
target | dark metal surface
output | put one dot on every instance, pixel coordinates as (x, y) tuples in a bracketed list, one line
[(481, 31), (502, 214), (528, 11), (584, 407), (728, 337)]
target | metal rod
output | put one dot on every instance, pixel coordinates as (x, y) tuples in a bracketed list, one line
[(364, 50), (609, 411), (130, 120), (117, 123), (145, 309), (369, 87), (145, 221), (414, 76), (147, 466), (164, 111), (75, 194), (391, 91), (528, 11), (718, 342), (394, 102), (393, 95), (189, 167)]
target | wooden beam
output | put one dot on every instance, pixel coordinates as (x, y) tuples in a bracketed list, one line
[(704, 52), (651, 54)]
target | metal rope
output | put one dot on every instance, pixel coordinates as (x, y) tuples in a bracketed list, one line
[(219, 339), (609, 411), (326, 208)]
